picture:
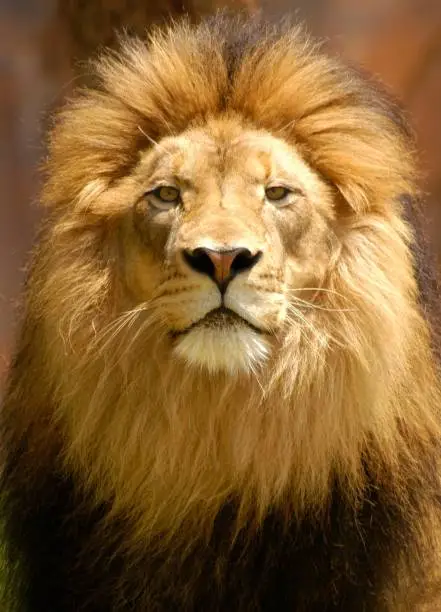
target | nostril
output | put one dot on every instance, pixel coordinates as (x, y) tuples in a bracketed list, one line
[(199, 260), (220, 265), (244, 260)]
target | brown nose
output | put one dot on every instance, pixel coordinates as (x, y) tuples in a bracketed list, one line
[(221, 265)]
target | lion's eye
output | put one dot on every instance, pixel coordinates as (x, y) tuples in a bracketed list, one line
[(164, 197), (277, 193)]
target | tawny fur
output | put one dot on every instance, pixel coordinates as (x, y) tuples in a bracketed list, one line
[(344, 374)]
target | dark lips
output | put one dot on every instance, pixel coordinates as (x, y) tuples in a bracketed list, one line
[(219, 318)]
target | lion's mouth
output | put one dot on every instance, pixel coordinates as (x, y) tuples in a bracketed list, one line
[(219, 318)]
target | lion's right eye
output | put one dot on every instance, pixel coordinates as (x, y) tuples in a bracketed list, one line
[(277, 193), (164, 197)]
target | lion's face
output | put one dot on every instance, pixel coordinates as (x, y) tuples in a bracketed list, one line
[(228, 223)]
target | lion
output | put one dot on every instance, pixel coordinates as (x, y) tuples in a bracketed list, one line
[(226, 394)]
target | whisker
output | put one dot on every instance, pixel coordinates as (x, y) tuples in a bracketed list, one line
[(327, 335), (145, 324), (154, 142), (313, 306), (113, 330), (322, 290), (318, 290), (299, 316), (123, 322), (286, 126)]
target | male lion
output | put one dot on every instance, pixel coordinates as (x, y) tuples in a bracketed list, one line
[(225, 396)]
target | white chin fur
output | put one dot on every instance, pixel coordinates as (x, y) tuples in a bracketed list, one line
[(235, 349)]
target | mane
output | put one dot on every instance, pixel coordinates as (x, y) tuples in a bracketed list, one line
[(274, 76), (351, 396)]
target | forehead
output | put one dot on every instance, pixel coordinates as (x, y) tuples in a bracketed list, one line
[(224, 149)]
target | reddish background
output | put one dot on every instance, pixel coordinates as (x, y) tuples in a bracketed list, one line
[(43, 44)]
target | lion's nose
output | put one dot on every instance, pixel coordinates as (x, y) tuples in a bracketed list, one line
[(221, 265)]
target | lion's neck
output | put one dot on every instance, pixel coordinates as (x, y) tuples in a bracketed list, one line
[(175, 444)]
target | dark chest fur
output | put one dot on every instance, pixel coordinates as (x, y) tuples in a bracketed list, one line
[(341, 563)]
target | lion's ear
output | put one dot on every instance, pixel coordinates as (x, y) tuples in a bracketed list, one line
[(82, 199), (91, 195), (363, 153), (103, 199), (99, 197), (352, 132)]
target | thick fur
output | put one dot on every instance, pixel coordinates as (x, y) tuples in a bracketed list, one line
[(284, 460)]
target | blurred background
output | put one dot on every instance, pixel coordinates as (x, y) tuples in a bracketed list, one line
[(44, 44)]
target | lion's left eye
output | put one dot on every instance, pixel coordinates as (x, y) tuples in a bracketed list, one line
[(164, 197), (277, 193)]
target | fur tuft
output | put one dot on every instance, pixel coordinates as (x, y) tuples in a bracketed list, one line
[(235, 351)]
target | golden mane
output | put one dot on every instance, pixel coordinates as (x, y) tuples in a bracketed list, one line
[(352, 395), (279, 81)]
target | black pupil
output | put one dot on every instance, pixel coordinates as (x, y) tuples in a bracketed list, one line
[(168, 194)]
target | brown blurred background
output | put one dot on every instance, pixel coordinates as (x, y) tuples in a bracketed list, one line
[(43, 45)]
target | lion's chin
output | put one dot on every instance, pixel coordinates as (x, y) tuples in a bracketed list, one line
[(230, 348)]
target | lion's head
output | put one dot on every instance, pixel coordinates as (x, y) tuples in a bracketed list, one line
[(225, 294), (228, 229)]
